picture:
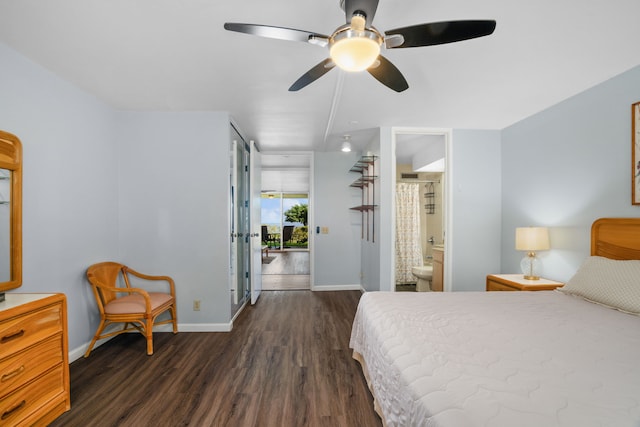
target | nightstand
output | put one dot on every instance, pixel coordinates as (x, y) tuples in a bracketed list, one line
[(517, 282)]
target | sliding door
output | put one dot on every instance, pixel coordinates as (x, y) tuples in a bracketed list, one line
[(286, 217)]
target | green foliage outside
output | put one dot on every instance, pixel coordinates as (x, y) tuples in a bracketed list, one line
[(297, 213), (300, 235)]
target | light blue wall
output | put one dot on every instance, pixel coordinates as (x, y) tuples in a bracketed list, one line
[(70, 190), (336, 254), (173, 215), (147, 189), (475, 208), (567, 166), (373, 254)]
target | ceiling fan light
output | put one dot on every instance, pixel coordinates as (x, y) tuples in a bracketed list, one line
[(354, 53)]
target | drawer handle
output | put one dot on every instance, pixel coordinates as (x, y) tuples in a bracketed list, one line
[(10, 412), (13, 336), (12, 374)]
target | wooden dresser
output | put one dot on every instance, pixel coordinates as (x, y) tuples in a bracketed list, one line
[(34, 365)]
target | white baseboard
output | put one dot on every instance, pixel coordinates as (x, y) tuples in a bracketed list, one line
[(317, 288), (203, 327)]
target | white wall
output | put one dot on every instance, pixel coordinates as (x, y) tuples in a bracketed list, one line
[(336, 254), (70, 192), (567, 166), (372, 251), (475, 208), (147, 189), (173, 207)]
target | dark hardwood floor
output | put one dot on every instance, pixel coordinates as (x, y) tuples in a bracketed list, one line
[(287, 362)]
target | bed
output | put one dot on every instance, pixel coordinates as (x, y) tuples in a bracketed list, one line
[(569, 357)]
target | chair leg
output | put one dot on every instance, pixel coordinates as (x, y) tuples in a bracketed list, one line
[(95, 338), (175, 318), (149, 335)]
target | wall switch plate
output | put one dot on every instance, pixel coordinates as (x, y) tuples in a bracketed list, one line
[(196, 305), (325, 230)]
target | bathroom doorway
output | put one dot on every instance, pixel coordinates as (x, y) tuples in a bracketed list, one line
[(420, 208)]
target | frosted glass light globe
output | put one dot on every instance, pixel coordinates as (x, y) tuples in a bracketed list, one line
[(354, 54)]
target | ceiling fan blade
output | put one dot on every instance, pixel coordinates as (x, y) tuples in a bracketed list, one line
[(441, 32), (312, 75), (368, 7), (387, 74), (277, 32)]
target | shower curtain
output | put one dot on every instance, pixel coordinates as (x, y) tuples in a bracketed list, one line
[(408, 248)]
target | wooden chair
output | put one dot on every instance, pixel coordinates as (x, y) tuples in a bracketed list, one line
[(135, 307)]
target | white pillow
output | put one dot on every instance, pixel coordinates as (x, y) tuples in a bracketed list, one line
[(608, 282)]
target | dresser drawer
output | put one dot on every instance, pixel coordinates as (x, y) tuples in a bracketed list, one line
[(25, 405), (495, 286), (23, 331), (22, 367)]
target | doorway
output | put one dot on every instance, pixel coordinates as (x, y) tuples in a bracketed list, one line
[(285, 219), (286, 234), (419, 166)]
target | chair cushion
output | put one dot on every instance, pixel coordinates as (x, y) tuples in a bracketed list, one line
[(134, 303)]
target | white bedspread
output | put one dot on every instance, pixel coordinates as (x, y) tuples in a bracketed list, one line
[(498, 359)]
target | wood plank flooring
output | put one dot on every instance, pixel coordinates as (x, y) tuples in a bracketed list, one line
[(287, 362), (274, 282), (288, 270), (287, 262)]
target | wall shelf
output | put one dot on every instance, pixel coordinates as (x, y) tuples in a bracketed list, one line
[(365, 166), (364, 208), (430, 198), (363, 181)]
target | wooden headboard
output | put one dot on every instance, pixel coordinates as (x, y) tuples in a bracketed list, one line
[(616, 238)]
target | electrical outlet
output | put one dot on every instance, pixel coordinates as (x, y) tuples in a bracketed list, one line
[(196, 305)]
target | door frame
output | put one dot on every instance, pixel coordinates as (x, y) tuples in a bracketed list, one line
[(255, 223), (447, 225)]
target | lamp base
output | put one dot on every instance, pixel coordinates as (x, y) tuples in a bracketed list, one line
[(531, 266)]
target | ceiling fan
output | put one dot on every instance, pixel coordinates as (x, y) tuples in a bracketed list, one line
[(356, 45)]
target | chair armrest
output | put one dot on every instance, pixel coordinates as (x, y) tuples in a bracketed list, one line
[(152, 278), (144, 293)]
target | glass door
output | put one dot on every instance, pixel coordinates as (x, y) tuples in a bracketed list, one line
[(240, 226), (285, 216)]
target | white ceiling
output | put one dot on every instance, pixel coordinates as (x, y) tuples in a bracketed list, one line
[(175, 55)]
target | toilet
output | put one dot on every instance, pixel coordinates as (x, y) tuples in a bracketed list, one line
[(423, 273)]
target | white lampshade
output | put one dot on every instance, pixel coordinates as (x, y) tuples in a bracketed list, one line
[(531, 239)]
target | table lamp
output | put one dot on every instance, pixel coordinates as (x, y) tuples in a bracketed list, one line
[(531, 239)]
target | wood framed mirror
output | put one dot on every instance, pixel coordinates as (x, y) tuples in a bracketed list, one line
[(10, 212)]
